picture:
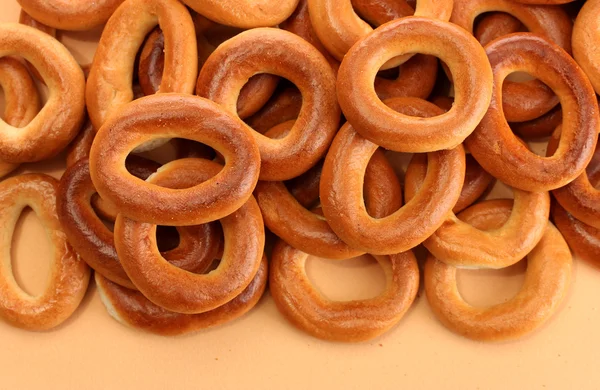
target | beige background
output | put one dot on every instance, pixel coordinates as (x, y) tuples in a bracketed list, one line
[(91, 350)]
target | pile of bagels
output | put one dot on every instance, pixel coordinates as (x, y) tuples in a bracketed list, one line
[(281, 117)]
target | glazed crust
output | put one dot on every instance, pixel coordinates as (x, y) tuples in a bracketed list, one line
[(244, 13), (350, 321), (69, 14)]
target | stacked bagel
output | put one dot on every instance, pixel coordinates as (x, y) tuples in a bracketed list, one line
[(282, 117)]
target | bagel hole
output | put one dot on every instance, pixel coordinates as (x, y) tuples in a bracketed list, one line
[(500, 191), (167, 238), (485, 288), (31, 263), (399, 162), (346, 280), (178, 148), (282, 106)]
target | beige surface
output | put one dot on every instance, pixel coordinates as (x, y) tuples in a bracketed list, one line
[(262, 350)]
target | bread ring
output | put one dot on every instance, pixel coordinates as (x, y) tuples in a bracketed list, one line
[(22, 101), (245, 13), (109, 84), (342, 191), (351, 321), (69, 275), (527, 100), (94, 242), (179, 116), (339, 27), (48, 133), (501, 153), (392, 130), (287, 56), (495, 25), (178, 290), (309, 232), (580, 198), (71, 15), (546, 282), (132, 308), (253, 95), (586, 33), (461, 245), (282, 107), (583, 239)]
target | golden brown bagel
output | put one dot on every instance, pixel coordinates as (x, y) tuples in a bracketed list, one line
[(132, 308), (546, 282), (109, 84), (501, 153), (342, 190), (244, 13), (462, 245), (22, 101), (586, 33), (395, 131), (178, 116), (309, 232), (339, 27), (94, 242), (527, 100), (268, 50), (178, 290), (48, 133), (71, 15), (69, 275), (350, 321)]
